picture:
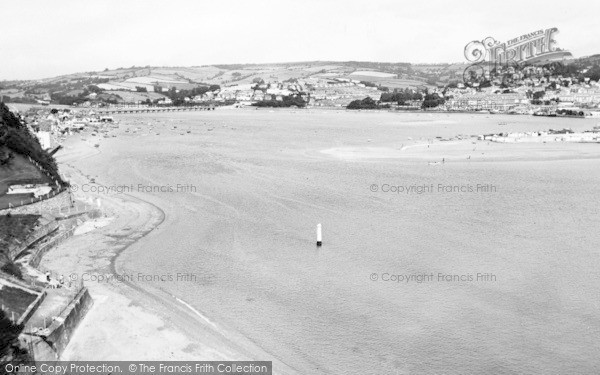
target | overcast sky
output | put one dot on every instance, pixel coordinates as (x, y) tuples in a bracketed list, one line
[(47, 38)]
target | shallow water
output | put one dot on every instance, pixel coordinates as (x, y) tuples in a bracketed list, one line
[(254, 187)]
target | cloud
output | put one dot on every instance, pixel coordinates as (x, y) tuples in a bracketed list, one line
[(42, 39)]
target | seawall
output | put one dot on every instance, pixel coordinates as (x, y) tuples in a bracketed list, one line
[(49, 344)]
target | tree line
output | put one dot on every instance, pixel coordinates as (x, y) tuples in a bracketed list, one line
[(286, 101), (178, 96), (15, 135), (400, 96)]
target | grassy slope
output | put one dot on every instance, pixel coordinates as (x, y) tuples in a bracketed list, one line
[(19, 171), (14, 227), (224, 75), (17, 299), (16, 136)]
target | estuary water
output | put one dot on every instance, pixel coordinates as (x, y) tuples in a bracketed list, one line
[(487, 264)]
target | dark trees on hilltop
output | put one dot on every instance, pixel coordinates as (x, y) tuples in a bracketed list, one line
[(366, 103), (432, 100), (287, 101), (178, 96), (401, 97)]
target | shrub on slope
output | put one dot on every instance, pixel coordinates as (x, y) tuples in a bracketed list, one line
[(16, 136)]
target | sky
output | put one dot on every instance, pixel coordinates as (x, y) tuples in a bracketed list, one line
[(40, 39)]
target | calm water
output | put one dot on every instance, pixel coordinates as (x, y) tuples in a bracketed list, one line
[(262, 184)]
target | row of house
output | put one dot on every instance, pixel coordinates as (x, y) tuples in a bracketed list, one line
[(48, 125), (315, 91), (566, 92)]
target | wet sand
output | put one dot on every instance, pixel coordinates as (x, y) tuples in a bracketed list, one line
[(127, 321)]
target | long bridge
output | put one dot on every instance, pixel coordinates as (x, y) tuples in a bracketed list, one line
[(115, 111)]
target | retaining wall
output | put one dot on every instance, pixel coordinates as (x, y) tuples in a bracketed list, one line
[(15, 250), (64, 326), (38, 253), (66, 231), (60, 201)]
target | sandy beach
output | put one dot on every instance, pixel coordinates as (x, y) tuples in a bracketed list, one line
[(468, 150), (128, 321)]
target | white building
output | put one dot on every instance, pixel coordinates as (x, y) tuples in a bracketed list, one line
[(44, 138)]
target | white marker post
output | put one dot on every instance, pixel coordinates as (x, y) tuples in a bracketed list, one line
[(319, 237)]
